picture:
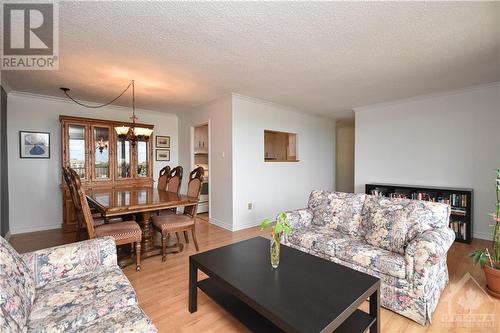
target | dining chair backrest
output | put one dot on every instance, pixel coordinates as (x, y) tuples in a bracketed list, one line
[(74, 195), (71, 187), (163, 178), (84, 211), (194, 189), (174, 180)]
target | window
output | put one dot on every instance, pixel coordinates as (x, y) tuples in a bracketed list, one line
[(280, 146)]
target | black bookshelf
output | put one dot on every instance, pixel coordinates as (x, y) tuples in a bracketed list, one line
[(460, 200)]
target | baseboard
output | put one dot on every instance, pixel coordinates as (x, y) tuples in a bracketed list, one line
[(482, 235), (221, 224), (15, 231), (247, 225)]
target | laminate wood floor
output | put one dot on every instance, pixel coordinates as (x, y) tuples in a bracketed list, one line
[(162, 288)]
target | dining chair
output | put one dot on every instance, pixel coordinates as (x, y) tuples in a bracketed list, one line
[(163, 178), (173, 184), (170, 223), (174, 180), (127, 232), (96, 216)]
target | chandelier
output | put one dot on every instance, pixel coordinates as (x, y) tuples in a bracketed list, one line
[(101, 145), (131, 133)]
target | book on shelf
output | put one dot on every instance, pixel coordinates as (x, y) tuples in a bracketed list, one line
[(456, 200), (458, 211), (378, 193), (460, 229)]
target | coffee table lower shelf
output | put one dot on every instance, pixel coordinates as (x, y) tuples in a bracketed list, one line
[(359, 321)]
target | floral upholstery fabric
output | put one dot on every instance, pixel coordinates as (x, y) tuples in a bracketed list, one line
[(299, 218), (366, 255), (79, 301), (17, 288), (411, 282), (131, 319), (74, 288), (321, 239), (61, 262), (341, 211), (386, 222), (426, 215)]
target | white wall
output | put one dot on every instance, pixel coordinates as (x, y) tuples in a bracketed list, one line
[(34, 185), (278, 186), (218, 115), (450, 139), (344, 162)]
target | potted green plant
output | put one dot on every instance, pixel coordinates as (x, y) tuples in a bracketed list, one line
[(490, 262), (281, 227)]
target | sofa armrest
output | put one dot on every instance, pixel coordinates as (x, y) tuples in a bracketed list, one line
[(430, 247), (299, 218), (72, 260)]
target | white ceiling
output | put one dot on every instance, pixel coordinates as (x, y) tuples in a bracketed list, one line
[(324, 58)]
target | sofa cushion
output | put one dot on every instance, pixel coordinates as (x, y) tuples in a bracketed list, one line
[(425, 215), (321, 239), (369, 256), (74, 303), (338, 210), (386, 222), (130, 319), (17, 289)]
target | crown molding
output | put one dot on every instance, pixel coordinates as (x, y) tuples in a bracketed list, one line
[(428, 96), (16, 93)]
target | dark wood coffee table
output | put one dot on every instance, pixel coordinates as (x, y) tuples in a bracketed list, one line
[(305, 293)]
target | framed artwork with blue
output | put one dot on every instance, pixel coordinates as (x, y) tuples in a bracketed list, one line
[(34, 144)]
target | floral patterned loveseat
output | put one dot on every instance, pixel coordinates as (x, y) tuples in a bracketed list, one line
[(403, 242), (72, 288)]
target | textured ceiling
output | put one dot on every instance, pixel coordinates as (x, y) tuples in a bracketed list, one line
[(321, 57)]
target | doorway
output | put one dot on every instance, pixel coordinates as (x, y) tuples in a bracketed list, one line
[(201, 158), (344, 170)]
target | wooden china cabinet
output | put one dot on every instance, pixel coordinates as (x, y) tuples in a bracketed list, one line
[(92, 148)]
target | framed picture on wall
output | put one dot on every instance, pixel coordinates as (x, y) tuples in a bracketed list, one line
[(163, 154), (162, 141), (34, 144)]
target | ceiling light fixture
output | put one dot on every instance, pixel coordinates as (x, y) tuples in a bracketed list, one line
[(132, 133)]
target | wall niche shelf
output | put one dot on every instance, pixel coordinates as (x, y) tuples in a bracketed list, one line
[(280, 146)]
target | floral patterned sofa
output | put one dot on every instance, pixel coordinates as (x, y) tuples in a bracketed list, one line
[(72, 288), (403, 242)]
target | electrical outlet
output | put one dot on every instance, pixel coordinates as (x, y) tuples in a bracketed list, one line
[(250, 206)]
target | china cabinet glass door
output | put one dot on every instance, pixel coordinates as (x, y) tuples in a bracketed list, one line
[(101, 169), (123, 159), (143, 159), (77, 149)]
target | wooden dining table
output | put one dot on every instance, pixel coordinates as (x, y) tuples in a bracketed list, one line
[(141, 202)]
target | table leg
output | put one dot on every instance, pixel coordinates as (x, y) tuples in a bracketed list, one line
[(147, 243), (375, 310), (193, 287)]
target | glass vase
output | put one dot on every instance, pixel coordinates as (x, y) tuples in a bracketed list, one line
[(275, 252)]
